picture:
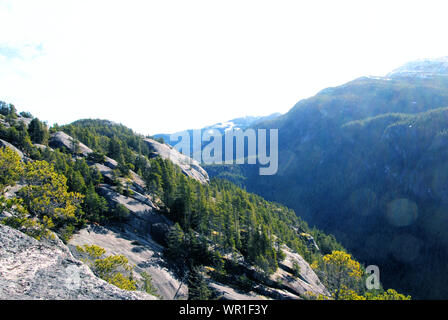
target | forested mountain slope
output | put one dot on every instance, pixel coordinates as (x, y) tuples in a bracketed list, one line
[(141, 222), (366, 161)]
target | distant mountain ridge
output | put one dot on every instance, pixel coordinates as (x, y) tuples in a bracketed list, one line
[(422, 68), (235, 124)]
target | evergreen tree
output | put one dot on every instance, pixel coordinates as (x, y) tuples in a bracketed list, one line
[(121, 212), (114, 269), (10, 167), (38, 132), (341, 274), (175, 249), (95, 205), (46, 193), (198, 288)]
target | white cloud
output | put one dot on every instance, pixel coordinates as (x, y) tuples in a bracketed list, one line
[(162, 66)]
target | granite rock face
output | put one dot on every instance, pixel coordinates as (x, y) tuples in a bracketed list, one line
[(189, 167), (142, 252), (64, 141), (142, 213), (6, 144), (306, 282), (228, 293), (32, 269)]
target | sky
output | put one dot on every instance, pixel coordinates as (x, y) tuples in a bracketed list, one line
[(169, 65)]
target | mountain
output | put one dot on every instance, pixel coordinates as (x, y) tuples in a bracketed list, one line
[(241, 123), (234, 124), (92, 210), (366, 161), (424, 68)]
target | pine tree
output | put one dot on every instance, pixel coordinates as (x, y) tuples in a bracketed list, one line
[(10, 167), (340, 272), (46, 193), (198, 288), (175, 249), (38, 132), (95, 205)]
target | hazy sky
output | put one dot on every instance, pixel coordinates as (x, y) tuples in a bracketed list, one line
[(163, 66)]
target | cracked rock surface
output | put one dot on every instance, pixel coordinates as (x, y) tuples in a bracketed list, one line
[(31, 269)]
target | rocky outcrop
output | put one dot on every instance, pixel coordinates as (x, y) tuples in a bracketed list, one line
[(139, 237), (142, 213), (32, 269), (223, 292), (42, 147), (284, 284), (106, 172), (310, 242), (307, 281), (134, 182), (62, 140), (19, 119), (111, 163), (6, 144), (141, 251), (189, 167), (11, 191)]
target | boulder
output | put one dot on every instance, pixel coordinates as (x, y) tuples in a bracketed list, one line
[(189, 166), (30, 269), (42, 147)]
